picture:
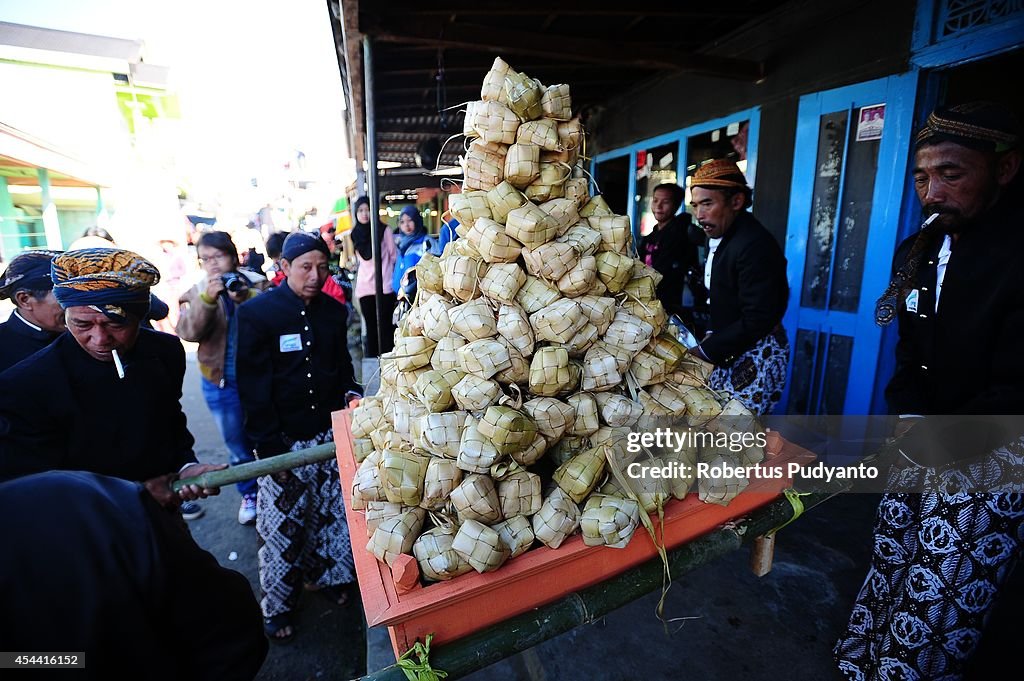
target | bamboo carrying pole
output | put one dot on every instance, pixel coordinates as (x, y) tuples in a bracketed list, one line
[(532, 628), (254, 469)]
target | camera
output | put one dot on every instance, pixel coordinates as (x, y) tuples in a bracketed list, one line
[(234, 282)]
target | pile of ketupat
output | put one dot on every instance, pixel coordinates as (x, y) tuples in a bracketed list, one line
[(535, 343)]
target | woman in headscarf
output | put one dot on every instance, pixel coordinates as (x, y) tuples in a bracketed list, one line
[(412, 243), (366, 278)]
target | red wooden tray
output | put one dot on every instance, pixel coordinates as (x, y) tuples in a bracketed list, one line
[(453, 609)]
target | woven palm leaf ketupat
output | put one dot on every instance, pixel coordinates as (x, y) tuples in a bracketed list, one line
[(524, 95), (668, 349), (519, 494), (514, 327), (648, 368), (651, 311), (549, 183), (542, 133), (436, 321), (437, 559), (445, 355), (433, 391), (556, 102), (503, 199), (395, 536), (558, 517), (640, 288), (578, 476), (480, 546), (580, 344), (377, 511), (614, 270), (367, 417), (531, 226), (510, 430), (550, 372), (586, 420), (720, 489), (516, 534), (493, 88), (413, 352), (641, 270), (576, 189), (483, 358), (537, 294), (558, 322), (473, 393), (492, 242), (442, 476), (701, 405), (518, 371), (483, 166), (468, 206), (563, 211), (586, 239), (551, 260), (366, 484), (522, 165), (596, 206), (532, 454), (473, 320), (494, 122), (617, 410), (476, 452), (628, 332), (668, 397), (580, 279), (476, 498), (600, 370), (599, 310), (553, 417), (616, 235), (441, 433), (609, 521), (361, 448), (502, 282), (462, 275)]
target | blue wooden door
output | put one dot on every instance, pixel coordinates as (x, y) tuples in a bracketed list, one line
[(849, 167)]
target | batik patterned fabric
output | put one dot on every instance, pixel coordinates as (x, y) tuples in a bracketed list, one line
[(112, 280), (756, 378), (303, 536), (981, 125), (940, 559)]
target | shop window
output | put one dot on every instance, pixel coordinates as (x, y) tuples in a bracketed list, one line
[(613, 178), (654, 166), (729, 141)]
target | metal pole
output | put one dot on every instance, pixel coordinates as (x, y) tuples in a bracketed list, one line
[(371, 189)]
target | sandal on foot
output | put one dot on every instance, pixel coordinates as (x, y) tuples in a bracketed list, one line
[(273, 626)]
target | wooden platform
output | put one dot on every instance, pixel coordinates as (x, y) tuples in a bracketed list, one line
[(453, 609)]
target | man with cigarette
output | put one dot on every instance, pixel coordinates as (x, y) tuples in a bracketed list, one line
[(105, 397)]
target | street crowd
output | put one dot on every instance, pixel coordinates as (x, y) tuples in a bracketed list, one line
[(92, 433)]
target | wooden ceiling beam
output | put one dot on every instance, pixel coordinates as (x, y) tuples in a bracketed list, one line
[(502, 41)]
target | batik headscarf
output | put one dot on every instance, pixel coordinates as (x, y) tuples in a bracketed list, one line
[(30, 271), (982, 126), (113, 281), (723, 174)]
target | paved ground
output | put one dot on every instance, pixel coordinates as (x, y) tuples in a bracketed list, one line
[(756, 629)]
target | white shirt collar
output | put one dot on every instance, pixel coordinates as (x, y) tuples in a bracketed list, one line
[(26, 322)]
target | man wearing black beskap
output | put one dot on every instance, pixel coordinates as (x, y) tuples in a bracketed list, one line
[(293, 370), (949, 530), (745, 276)]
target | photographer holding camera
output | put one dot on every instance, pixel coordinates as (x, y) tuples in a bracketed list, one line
[(208, 318)]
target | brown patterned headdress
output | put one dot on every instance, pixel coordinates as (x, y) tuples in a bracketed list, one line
[(722, 174), (984, 126)]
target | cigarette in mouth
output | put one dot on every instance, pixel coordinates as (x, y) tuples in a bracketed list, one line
[(117, 364)]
